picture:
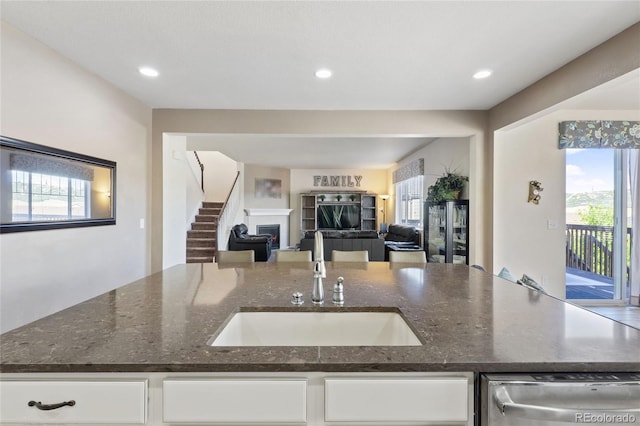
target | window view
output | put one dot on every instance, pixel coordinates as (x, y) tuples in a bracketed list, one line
[(409, 201), (591, 212), (39, 197)]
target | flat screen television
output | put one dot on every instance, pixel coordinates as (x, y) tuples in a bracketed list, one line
[(339, 216)]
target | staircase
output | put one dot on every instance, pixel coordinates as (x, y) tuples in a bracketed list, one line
[(202, 240)]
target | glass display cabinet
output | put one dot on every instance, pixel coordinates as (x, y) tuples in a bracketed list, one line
[(447, 231)]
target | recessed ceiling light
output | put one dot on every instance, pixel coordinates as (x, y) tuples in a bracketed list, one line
[(148, 72), (323, 73), (482, 74)]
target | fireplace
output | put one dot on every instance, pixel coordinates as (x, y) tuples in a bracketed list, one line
[(270, 217), (273, 230)]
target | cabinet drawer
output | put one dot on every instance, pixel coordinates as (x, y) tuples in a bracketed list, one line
[(396, 400), (235, 401), (118, 402)]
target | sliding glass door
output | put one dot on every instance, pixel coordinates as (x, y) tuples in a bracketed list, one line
[(598, 225)]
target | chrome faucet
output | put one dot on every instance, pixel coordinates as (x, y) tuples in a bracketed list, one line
[(317, 295)]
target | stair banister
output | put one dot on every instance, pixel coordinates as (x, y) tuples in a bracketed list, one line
[(201, 170), (227, 213)]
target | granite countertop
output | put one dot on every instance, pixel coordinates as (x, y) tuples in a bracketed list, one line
[(468, 319)]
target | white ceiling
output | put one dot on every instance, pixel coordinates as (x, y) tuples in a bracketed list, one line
[(392, 55), (311, 152)]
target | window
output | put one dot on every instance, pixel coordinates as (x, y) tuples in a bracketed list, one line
[(409, 196), (40, 197), (409, 182)]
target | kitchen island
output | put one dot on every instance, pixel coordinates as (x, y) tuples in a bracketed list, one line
[(469, 322)]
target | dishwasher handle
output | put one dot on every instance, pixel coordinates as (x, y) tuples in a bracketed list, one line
[(569, 415)]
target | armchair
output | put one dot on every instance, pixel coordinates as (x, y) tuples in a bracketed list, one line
[(239, 239)]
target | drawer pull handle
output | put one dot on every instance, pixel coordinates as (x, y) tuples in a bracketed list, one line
[(40, 406)]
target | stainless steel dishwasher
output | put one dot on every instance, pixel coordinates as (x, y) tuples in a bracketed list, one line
[(560, 399)]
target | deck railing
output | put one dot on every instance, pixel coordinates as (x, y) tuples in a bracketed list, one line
[(590, 248)]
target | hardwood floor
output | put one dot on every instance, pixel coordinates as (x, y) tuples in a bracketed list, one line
[(629, 315)]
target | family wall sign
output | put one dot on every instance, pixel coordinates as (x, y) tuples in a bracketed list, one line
[(343, 180)]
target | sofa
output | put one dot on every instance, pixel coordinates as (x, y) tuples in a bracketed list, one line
[(346, 241), (400, 237), (240, 239), (403, 233)]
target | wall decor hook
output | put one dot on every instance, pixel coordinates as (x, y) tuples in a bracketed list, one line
[(535, 188)]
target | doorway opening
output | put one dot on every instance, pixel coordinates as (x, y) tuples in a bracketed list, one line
[(598, 217)]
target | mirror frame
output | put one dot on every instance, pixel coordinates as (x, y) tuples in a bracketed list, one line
[(17, 144)]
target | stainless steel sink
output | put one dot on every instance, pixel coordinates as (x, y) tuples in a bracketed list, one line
[(271, 328)]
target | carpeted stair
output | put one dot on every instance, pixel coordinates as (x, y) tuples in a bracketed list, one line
[(202, 239)]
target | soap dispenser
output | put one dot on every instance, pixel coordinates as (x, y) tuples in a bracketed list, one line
[(338, 292)]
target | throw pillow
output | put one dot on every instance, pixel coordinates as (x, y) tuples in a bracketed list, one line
[(529, 282), (504, 273)]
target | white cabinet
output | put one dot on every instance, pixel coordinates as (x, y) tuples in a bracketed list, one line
[(235, 401), (87, 402), (396, 400), (270, 398)]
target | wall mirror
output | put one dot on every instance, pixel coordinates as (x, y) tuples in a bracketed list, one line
[(48, 188)]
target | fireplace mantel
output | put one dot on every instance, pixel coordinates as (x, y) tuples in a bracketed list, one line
[(255, 217), (268, 212)]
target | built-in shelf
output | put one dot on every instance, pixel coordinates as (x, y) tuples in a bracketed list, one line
[(361, 202)]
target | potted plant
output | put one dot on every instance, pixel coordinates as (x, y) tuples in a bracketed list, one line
[(447, 187), (322, 197), (338, 197)]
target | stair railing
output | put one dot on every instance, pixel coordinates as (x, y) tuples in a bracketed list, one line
[(227, 214), (201, 170)]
